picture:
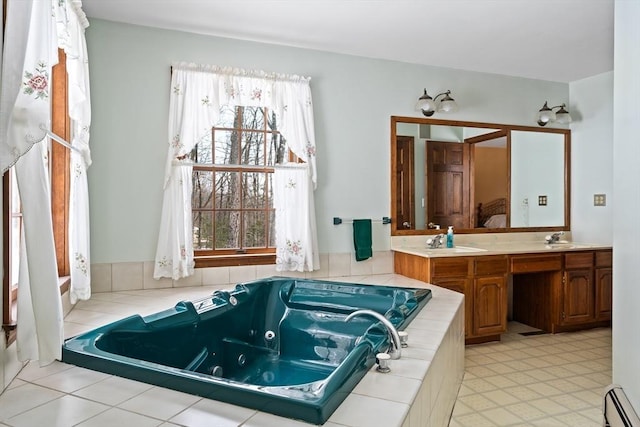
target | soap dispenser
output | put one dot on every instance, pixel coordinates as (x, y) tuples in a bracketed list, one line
[(450, 237)]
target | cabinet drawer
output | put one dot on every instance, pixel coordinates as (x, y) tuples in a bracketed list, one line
[(578, 260), (604, 259), (535, 263), (491, 265), (450, 267)]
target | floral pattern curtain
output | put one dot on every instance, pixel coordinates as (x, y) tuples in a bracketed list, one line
[(296, 234), (72, 22), (197, 92), (35, 29), (29, 52)]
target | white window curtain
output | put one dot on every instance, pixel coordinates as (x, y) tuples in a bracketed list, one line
[(296, 242), (197, 92), (29, 52), (71, 37), (30, 49)]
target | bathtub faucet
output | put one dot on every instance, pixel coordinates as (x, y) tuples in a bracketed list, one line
[(394, 338)]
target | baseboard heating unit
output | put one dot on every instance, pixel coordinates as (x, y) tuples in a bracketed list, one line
[(618, 411)]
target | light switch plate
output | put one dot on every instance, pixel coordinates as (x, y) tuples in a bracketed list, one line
[(599, 200), (542, 200)]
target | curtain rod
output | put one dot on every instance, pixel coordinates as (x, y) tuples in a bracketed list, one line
[(338, 220), (239, 72)]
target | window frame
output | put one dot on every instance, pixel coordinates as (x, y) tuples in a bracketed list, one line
[(241, 256)]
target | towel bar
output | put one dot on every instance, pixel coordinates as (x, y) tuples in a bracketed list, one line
[(338, 220)]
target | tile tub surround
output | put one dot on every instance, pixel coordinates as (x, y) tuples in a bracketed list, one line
[(420, 390), (129, 276)]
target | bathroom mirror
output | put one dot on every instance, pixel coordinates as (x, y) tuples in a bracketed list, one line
[(478, 177)]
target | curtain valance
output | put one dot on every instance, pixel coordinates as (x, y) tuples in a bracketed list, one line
[(198, 91)]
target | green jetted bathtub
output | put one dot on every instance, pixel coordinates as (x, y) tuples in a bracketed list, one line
[(278, 345)]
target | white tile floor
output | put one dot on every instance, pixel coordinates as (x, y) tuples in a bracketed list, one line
[(545, 380), (539, 380)]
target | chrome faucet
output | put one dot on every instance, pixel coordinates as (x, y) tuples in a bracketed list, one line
[(554, 238), (436, 241), (394, 338)]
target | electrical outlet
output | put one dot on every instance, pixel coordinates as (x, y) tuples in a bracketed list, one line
[(599, 200), (542, 200)]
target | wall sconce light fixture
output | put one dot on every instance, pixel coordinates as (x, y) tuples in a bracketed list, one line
[(546, 115), (428, 104)]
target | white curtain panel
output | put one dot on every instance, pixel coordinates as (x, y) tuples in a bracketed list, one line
[(197, 92), (71, 37), (40, 321), (296, 233), (30, 50)]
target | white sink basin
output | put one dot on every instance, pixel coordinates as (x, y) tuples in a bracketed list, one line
[(455, 250), (567, 245)]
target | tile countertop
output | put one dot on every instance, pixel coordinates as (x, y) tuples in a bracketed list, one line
[(491, 244)]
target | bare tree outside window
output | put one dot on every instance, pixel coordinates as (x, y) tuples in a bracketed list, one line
[(232, 183)]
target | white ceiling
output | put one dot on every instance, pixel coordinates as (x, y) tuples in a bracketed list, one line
[(556, 40)]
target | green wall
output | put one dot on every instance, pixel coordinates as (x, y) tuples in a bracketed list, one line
[(354, 98)]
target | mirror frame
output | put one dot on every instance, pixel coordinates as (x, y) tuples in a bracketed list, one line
[(417, 120)]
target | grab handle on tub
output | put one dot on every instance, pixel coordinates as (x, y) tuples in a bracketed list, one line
[(198, 360)]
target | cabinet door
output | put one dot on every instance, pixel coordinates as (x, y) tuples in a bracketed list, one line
[(578, 296), (490, 305), (463, 286), (604, 289)]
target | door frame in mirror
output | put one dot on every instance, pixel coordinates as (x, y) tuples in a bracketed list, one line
[(395, 227)]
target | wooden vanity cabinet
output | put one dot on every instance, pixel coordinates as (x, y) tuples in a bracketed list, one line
[(454, 273), (556, 292), (578, 289), (604, 285), (586, 290), (482, 280), (490, 291)]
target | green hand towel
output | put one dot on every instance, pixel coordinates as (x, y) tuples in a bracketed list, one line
[(362, 239)]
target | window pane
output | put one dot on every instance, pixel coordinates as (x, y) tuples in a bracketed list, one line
[(269, 177), (227, 229), (202, 230), (201, 152), (227, 190), (253, 148), (253, 118), (272, 228), (254, 190), (226, 147), (255, 223), (202, 195), (227, 116), (276, 147), (16, 228)]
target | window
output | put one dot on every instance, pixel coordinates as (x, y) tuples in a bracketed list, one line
[(59, 170), (12, 226), (233, 214)]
